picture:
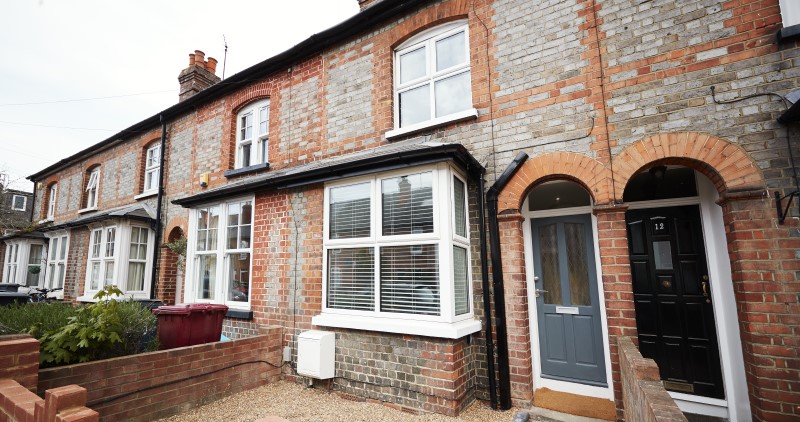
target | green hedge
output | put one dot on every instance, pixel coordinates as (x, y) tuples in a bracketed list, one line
[(71, 334)]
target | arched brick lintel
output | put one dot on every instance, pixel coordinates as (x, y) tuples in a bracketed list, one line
[(726, 164), (592, 174)]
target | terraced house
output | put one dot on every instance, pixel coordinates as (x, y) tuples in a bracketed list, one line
[(580, 170)]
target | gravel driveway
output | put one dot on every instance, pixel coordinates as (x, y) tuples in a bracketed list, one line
[(293, 402)]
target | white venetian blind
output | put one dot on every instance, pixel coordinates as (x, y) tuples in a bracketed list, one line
[(350, 212), (459, 198), (461, 281), (408, 204), (410, 279), (351, 279)]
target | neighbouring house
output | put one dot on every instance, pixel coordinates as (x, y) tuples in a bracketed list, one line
[(16, 208), (579, 170)]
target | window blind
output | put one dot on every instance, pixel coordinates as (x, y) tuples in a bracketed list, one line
[(409, 279), (408, 204), (459, 197), (350, 212), (351, 279), (461, 281)]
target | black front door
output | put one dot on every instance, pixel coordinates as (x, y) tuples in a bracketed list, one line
[(672, 295)]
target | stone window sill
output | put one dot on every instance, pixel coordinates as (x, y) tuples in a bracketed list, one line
[(85, 210), (430, 124), (144, 195), (452, 330), (239, 314), (247, 170)]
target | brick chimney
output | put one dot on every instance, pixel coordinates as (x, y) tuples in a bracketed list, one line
[(198, 76), (363, 4)]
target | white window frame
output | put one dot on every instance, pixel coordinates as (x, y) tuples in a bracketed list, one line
[(51, 201), (17, 257), (152, 166), (91, 189), (14, 202), (428, 40), (11, 263), (790, 12), (259, 139), (120, 257), (57, 253), (222, 254), (446, 324)]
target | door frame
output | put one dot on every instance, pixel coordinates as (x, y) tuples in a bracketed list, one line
[(736, 405), (538, 380)]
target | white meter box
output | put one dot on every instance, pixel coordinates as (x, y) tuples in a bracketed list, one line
[(316, 352)]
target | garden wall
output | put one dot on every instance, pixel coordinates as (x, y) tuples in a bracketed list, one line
[(158, 384), (643, 395)]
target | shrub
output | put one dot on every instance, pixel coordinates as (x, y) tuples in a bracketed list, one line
[(105, 329), (34, 318)]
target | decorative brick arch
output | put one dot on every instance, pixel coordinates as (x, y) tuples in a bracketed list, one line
[(581, 168), (726, 164)]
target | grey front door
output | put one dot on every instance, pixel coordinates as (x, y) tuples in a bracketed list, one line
[(567, 306)]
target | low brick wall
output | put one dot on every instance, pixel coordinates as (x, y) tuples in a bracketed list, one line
[(158, 384), (19, 359), (17, 403), (643, 395)]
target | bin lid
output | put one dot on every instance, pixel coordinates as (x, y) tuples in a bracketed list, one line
[(206, 307), (179, 309)]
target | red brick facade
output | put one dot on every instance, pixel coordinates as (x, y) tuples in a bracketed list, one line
[(594, 91)]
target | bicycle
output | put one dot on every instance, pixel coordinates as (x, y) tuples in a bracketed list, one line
[(37, 295)]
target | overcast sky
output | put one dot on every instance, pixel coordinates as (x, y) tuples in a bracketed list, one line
[(55, 52)]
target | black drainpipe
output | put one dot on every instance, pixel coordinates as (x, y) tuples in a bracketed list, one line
[(487, 304), (497, 280), (157, 223)]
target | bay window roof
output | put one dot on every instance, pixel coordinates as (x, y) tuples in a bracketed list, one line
[(389, 157)]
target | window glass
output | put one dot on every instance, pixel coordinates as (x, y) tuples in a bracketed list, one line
[(410, 279), (551, 276), (152, 166), (350, 211), (351, 279), (451, 51), (413, 65), (415, 105), (137, 260), (207, 276), (18, 202), (239, 277), (460, 280), (453, 94), (35, 256), (459, 200), (51, 201), (578, 263), (407, 204)]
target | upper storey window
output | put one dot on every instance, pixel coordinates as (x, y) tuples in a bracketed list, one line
[(18, 202), (432, 80), (91, 188), (51, 200), (252, 134), (152, 167)]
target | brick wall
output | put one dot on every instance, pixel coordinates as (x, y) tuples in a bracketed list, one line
[(19, 375), (153, 385), (19, 359), (644, 398)]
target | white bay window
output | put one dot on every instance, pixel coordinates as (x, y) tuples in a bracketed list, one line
[(396, 254), (220, 253), (24, 262), (57, 259), (119, 254)]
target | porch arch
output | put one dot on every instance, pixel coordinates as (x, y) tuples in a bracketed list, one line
[(592, 174), (726, 164)]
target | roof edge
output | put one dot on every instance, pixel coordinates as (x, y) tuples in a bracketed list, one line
[(445, 152)]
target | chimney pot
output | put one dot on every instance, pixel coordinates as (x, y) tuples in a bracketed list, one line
[(191, 59), (200, 58), (211, 65)]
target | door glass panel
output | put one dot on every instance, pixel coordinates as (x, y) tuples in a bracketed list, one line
[(551, 279), (663, 255), (577, 263)]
